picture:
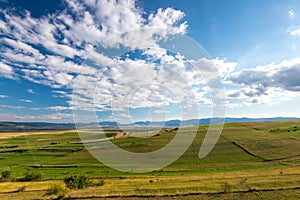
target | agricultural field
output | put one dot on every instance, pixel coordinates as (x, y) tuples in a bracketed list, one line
[(259, 160)]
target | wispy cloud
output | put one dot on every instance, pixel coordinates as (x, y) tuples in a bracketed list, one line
[(26, 100), (55, 117), (13, 107), (30, 91), (54, 108), (3, 96), (295, 32)]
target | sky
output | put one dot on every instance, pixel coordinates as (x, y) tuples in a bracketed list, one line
[(109, 60)]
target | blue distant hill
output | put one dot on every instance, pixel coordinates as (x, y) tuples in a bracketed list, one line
[(43, 126), (196, 122)]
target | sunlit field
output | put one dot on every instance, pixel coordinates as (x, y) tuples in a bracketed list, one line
[(251, 160)]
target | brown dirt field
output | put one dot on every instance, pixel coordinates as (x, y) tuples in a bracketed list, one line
[(20, 134)]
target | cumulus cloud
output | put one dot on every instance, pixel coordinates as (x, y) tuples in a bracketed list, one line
[(283, 75), (3, 96), (68, 36), (264, 82), (50, 51), (138, 83)]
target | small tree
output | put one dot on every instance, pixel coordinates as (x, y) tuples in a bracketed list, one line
[(32, 176), (5, 174), (77, 181)]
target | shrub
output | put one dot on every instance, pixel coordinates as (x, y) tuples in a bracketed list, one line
[(5, 174), (31, 176), (101, 182), (226, 187), (57, 190), (77, 181)]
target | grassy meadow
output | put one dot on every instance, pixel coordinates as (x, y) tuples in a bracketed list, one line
[(258, 160)]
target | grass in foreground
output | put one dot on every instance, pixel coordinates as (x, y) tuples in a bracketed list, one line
[(249, 159)]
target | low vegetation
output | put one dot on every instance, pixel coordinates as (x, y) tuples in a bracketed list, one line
[(58, 190), (31, 176), (77, 181), (251, 160)]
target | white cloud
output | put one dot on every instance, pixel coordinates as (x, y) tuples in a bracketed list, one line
[(266, 84), (55, 117), (22, 47), (295, 32), (160, 111), (140, 83), (164, 20), (291, 13), (26, 100), (3, 96), (30, 91), (54, 108), (133, 83), (80, 27), (13, 107), (6, 71), (59, 108), (283, 75)]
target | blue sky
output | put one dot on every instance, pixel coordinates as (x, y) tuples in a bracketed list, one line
[(45, 47)]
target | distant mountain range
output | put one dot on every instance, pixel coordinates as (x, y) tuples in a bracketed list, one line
[(33, 126), (196, 122), (43, 126)]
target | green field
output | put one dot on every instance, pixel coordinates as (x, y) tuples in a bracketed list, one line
[(252, 160)]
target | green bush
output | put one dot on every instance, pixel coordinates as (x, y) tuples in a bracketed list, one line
[(31, 176), (101, 182), (57, 190), (5, 174), (77, 181)]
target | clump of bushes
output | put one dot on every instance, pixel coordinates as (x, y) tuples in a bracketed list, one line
[(57, 190), (31, 176), (5, 176), (77, 181), (100, 182)]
